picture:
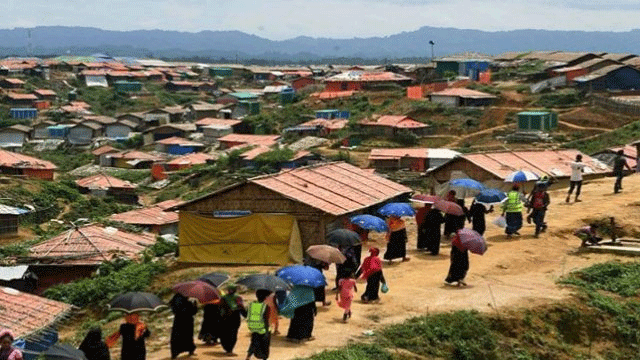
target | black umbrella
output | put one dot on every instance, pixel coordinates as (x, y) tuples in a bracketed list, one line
[(343, 237), (263, 282), (215, 279), (64, 352), (136, 301)]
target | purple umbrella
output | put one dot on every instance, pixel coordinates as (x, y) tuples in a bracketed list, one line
[(470, 240)]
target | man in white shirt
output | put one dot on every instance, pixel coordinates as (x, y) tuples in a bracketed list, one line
[(577, 168)]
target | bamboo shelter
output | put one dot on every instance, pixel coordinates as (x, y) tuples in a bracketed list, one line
[(319, 198)]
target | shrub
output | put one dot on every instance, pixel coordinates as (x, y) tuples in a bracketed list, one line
[(355, 352), (101, 288), (406, 138), (620, 278)]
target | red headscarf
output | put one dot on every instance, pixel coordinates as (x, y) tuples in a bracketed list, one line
[(372, 263), (133, 319)]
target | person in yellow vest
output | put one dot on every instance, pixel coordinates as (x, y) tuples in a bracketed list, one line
[(258, 323), (512, 210)]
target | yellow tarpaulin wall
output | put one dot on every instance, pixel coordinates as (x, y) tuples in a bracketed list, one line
[(253, 239)]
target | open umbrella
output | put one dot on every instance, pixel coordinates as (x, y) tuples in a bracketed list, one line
[(136, 301), (521, 176), (263, 282), (470, 240), (343, 237), (326, 253), (491, 196), (203, 291), (302, 275), (448, 207), (214, 278), (397, 209), (370, 222), (63, 352), (466, 184), (427, 199)]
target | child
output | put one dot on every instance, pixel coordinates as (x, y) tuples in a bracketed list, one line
[(344, 296), (371, 270), (588, 235), (258, 323)]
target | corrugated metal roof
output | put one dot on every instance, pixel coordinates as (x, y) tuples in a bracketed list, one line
[(25, 313), (164, 205), (17, 96), (335, 188), (368, 76), (266, 140), (154, 215), (424, 153), (397, 121), (15, 160), (600, 72), (103, 150), (45, 92), (175, 140), (216, 121), (191, 159), (90, 245), (14, 81), (554, 163), (104, 182), (463, 93), (135, 155)]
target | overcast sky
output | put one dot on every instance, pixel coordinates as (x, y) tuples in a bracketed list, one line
[(282, 19)]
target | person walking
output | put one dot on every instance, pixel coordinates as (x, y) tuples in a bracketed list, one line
[(538, 202), (459, 264), (453, 223), (429, 222), (476, 216), (300, 307), (232, 308), (371, 271), (182, 329), (575, 181), (258, 324), (512, 210), (133, 332), (619, 163), (347, 267), (344, 296), (7, 350), (396, 239), (93, 347), (210, 329), (320, 290)]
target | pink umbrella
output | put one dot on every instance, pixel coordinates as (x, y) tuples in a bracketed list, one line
[(449, 207), (198, 289), (470, 240), (428, 199)]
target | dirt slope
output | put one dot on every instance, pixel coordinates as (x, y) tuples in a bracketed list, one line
[(521, 272)]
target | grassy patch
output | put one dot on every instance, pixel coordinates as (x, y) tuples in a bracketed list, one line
[(615, 277), (355, 352), (620, 136)]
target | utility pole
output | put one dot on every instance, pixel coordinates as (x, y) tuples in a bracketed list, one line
[(432, 54)]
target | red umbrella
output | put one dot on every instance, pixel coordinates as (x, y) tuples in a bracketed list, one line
[(198, 289), (428, 199), (470, 240), (449, 207)]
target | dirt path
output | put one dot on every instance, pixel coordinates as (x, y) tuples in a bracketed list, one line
[(578, 127), (521, 272), (481, 132)]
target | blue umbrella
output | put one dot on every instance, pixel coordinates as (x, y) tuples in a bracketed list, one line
[(521, 176), (397, 209), (370, 222), (302, 275), (491, 196), (467, 184)]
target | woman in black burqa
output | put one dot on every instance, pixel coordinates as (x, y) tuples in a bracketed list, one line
[(93, 347), (182, 330)]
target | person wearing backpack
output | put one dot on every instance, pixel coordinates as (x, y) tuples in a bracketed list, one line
[(258, 324), (538, 202)]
